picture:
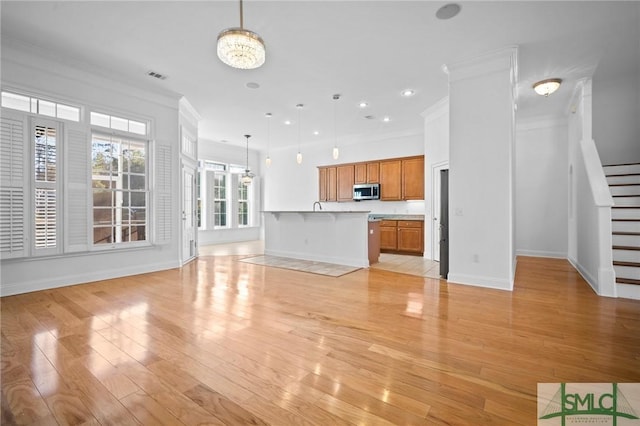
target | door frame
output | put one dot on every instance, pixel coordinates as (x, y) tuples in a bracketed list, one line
[(188, 166), (435, 207)]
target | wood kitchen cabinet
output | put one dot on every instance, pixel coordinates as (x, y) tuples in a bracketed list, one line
[(360, 173), (367, 172), (413, 178), (391, 180), (373, 172), (345, 180), (402, 179), (388, 235), (410, 236), (402, 236), (327, 184)]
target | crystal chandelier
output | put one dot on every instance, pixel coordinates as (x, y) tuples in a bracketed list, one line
[(241, 48), (247, 176)]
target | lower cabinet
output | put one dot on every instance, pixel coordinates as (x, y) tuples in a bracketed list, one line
[(402, 236)]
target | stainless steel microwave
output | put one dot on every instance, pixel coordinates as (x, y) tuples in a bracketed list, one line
[(366, 191)]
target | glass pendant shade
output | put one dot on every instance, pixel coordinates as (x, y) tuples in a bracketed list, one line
[(241, 48), (246, 178), (547, 87), (299, 158), (267, 161), (336, 153)]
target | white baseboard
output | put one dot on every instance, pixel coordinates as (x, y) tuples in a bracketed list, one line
[(474, 280), (585, 274), (542, 253), (74, 279), (628, 291)]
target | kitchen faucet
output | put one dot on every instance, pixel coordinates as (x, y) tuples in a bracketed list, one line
[(319, 205)]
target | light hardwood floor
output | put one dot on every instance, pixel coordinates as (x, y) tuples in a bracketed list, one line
[(226, 342)]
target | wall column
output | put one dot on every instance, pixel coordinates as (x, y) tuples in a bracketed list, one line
[(481, 173)]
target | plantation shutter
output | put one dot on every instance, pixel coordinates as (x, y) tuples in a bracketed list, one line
[(162, 194), (77, 191), (13, 185)]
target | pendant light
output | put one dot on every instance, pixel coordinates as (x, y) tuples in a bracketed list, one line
[(247, 176), (241, 48), (336, 152), (299, 156), (268, 159)]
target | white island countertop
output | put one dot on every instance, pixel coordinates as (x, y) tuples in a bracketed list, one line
[(339, 237)]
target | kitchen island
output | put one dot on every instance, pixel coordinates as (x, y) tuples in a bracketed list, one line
[(340, 237)]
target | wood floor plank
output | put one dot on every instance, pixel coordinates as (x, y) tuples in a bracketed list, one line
[(226, 342)]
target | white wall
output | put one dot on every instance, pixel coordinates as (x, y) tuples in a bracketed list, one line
[(292, 186), (616, 117), (542, 187), (481, 179), (28, 71)]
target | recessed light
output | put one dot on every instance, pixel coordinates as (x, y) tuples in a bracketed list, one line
[(363, 104), (268, 114), (369, 117), (407, 92), (386, 119), (448, 11), (287, 122), (315, 132), (252, 85)]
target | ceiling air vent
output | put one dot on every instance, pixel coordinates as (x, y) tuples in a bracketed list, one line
[(156, 75)]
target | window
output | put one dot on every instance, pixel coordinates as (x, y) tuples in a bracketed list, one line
[(219, 199), (223, 201), (118, 123), (40, 106), (243, 205), (46, 191), (120, 189)]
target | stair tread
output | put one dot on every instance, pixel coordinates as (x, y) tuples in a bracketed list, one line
[(621, 263), (622, 164), (625, 207), (626, 220), (627, 281), (625, 233), (623, 174), (626, 248), (624, 184), (626, 195)]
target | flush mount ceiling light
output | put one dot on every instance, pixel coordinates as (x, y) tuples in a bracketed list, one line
[(241, 48), (407, 93), (247, 176), (547, 87)]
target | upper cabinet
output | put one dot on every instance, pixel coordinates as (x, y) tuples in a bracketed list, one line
[(399, 179), (367, 172), (391, 180), (413, 178), (345, 182)]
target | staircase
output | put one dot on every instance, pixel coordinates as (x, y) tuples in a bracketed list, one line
[(624, 184)]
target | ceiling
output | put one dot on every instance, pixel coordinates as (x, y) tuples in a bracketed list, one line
[(363, 50)]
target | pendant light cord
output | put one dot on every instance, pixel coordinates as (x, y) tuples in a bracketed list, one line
[(241, 19)]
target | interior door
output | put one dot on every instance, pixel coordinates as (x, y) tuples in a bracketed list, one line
[(189, 228), (444, 223)]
